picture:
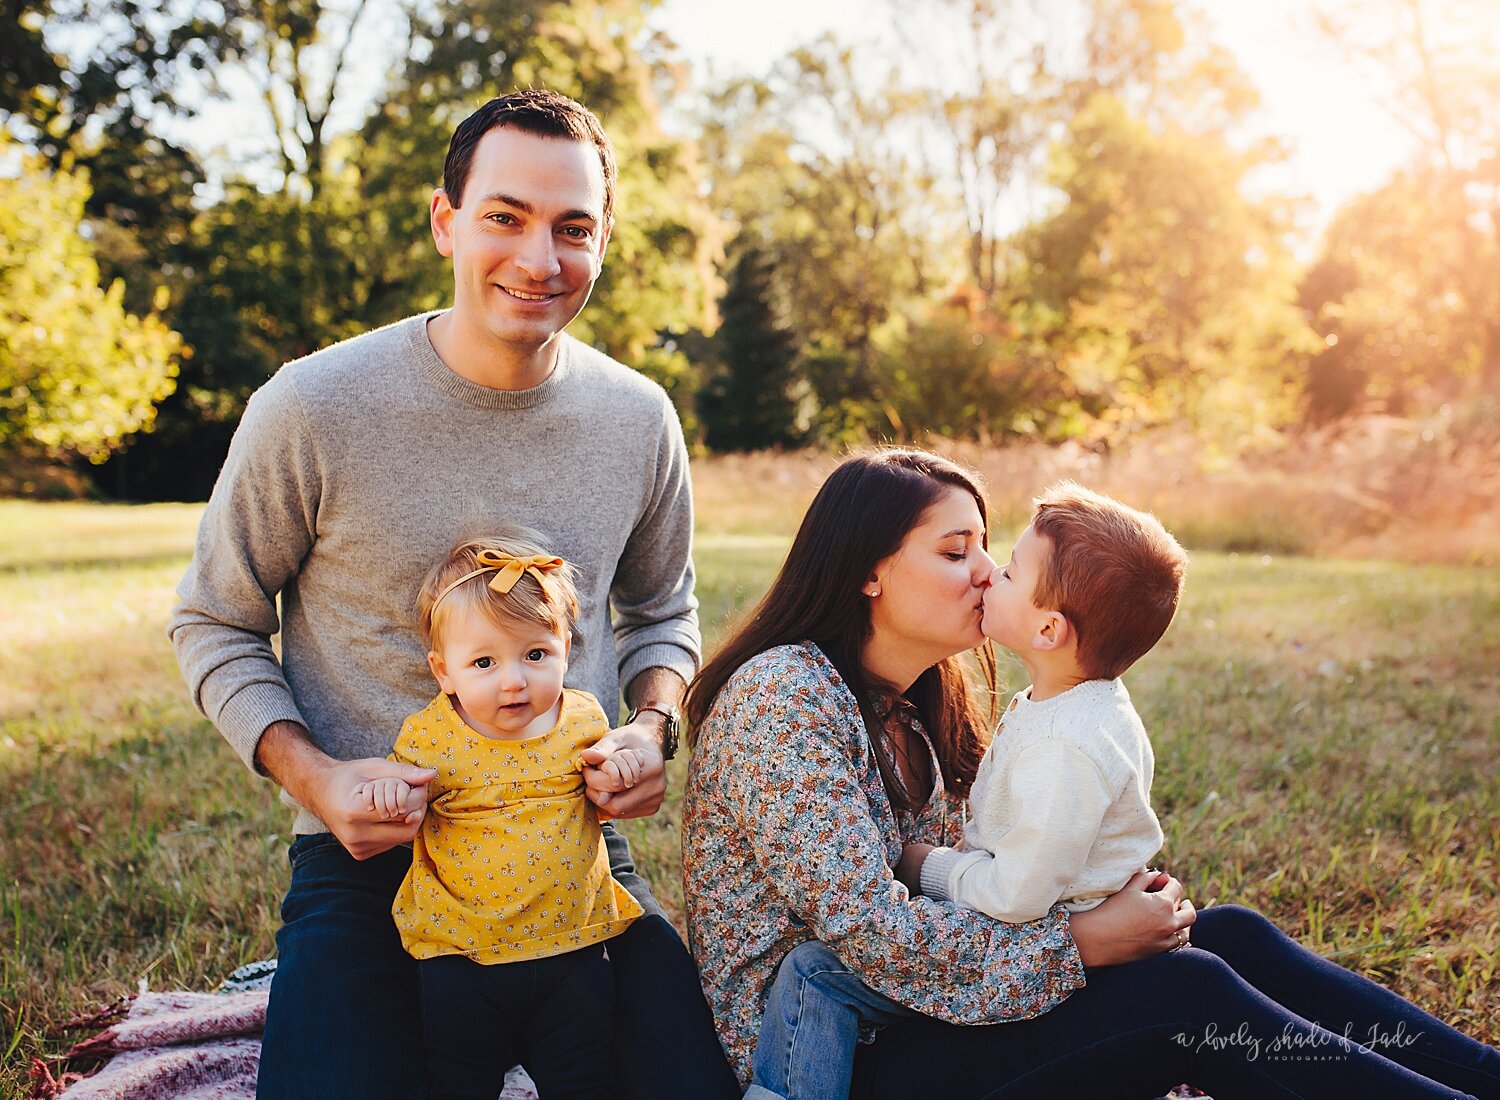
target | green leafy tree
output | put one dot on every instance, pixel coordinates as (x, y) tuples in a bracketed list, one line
[(845, 224), (1407, 291), (750, 401), (77, 371), (1177, 293)]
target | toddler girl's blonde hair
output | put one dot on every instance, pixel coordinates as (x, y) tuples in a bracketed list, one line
[(545, 592)]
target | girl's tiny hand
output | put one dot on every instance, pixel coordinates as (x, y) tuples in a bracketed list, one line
[(386, 797)]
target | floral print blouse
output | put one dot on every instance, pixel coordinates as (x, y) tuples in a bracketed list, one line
[(788, 835)]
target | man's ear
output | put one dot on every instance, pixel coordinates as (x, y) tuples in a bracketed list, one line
[(440, 217), (609, 228), (439, 671), (1054, 633)]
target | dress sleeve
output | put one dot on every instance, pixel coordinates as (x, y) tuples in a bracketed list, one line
[(1056, 800), (796, 792), (256, 531)]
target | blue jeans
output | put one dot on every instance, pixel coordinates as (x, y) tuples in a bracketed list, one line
[(817, 1013), (345, 1016), (1234, 1015)]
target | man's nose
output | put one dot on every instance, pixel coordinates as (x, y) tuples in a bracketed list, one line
[(538, 256)]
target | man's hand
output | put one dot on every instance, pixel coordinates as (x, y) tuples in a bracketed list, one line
[(1146, 916), (632, 750), (334, 790)]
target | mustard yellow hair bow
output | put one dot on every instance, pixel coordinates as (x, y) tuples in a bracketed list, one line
[(508, 570)]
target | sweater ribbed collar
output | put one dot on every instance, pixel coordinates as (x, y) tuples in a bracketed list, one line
[(1091, 690), (439, 374)]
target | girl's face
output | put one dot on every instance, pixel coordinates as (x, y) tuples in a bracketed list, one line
[(931, 590), (507, 681)]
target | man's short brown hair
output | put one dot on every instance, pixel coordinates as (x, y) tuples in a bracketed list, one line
[(1114, 572), (534, 111)]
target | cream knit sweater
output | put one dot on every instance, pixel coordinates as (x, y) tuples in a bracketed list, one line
[(1060, 810)]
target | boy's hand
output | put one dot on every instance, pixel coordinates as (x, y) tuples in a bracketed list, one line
[(389, 797)]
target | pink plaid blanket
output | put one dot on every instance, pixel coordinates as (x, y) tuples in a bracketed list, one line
[(180, 1046)]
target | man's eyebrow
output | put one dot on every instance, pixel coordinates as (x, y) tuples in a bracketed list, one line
[(527, 208)]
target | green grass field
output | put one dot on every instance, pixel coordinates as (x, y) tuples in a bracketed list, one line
[(1325, 735)]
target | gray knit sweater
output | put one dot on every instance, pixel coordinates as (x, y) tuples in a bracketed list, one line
[(355, 470)]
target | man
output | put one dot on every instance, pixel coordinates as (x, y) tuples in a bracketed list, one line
[(352, 472)]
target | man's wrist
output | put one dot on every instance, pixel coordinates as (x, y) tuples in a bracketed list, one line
[(666, 724)]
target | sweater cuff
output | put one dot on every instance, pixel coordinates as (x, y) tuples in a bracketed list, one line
[(245, 715), (659, 655), (937, 873)]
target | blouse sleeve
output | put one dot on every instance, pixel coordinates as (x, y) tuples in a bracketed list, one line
[(792, 778)]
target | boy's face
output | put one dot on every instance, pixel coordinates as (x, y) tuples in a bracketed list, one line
[(507, 680), (1010, 618)]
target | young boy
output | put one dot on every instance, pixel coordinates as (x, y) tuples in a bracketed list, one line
[(1060, 810), (1061, 807)]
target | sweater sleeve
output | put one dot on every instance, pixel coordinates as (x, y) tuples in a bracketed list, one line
[(1056, 799), (795, 790), (655, 612), (258, 527)]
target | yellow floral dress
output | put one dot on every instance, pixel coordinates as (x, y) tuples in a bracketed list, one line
[(509, 864)]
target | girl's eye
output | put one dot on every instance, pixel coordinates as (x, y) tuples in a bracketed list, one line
[(536, 655), (483, 662)]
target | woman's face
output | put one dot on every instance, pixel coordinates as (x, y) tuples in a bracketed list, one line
[(929, 594)]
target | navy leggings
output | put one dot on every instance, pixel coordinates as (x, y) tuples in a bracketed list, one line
[(1233, 1015), (344, 1018)]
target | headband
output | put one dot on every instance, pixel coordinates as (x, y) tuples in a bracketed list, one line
[(508, 569)]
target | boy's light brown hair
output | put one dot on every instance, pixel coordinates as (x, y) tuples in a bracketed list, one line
[(553, 603), (1114, 573)]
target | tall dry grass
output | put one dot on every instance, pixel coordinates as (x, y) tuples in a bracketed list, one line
[(1374, 488)]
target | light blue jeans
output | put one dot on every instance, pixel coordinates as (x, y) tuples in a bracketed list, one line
[(818, 1012)]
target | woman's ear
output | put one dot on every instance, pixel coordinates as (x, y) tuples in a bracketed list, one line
[(872, 586), (1054, 633)]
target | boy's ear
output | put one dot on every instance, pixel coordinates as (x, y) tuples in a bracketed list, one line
[(439, 670), (1054, 633)]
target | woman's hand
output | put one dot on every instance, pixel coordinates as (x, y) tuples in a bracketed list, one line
[(1148, 915)]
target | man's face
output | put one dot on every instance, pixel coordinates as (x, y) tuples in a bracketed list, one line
[(528, 241)]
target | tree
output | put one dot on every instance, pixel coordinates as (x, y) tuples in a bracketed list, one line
[(749, 402), (77, 372), (1414, 315), (846, 223), (1176, 290)]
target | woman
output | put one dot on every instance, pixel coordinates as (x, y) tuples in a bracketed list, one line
[(835, 728)]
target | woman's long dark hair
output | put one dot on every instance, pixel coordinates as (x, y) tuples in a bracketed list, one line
[(862, 515)]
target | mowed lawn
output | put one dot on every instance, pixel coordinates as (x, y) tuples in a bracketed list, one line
[(1326, 735)]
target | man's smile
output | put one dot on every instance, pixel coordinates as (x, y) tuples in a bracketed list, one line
[(528, 297)]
